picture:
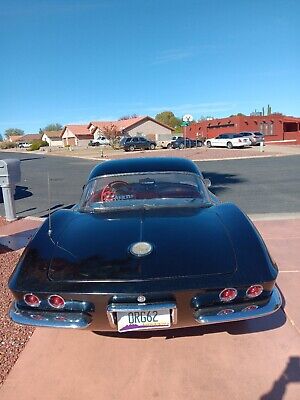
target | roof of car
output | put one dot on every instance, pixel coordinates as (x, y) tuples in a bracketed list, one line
[(151, 164)]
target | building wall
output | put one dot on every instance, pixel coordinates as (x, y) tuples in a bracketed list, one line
[(150, 129), (82, 142), (52, 142), (68, 138), (273, 126)]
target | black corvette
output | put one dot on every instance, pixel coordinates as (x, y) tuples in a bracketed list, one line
[(147, 247)]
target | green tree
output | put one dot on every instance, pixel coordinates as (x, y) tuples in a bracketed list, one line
[(53, 127), (168, 118), (13, 132), (124, 117)]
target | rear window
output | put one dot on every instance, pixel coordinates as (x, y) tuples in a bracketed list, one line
[(153, 189)]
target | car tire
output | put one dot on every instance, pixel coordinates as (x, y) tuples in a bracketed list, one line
[(131, 148), (181, 146), (152, 146), (208, 144), (200, 144), (229, 145), (169, 146)]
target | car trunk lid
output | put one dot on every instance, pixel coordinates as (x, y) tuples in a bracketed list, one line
[(186, 242)]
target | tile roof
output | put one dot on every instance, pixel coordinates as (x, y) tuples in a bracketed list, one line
[(120, 125), (124, 123), (14, 138), (78, 130), (53, 134), (29, 137)]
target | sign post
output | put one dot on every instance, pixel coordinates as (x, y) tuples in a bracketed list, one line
[(187, 119)]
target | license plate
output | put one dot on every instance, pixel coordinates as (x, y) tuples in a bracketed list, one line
[(143, 320)]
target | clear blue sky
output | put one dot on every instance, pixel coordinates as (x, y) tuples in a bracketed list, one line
[(72, 61)]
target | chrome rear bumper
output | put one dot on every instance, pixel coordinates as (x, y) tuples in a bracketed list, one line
[(238, 312), (204, 316), (50, 319)]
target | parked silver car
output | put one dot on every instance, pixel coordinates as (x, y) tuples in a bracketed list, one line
[(255, 137)]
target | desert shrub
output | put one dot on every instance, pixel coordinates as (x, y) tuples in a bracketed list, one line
[(7, 145), (37, 144)]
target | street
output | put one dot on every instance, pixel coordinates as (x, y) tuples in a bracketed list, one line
[(258, 186)]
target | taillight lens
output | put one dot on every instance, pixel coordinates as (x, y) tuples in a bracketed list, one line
[(254, 291), (31, 300), (228, 294), (56, 301)]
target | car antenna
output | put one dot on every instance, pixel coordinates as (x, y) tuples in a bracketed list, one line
[(49, 204)]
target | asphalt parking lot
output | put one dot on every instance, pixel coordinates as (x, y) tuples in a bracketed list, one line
[(258, 186)]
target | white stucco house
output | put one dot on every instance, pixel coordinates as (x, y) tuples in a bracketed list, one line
[(53, 138)]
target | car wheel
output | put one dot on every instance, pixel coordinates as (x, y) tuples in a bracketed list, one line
[(169, 146), (229, 145), (208, 144), (131, 148), (199, 144), (152, 147), (181, 146)]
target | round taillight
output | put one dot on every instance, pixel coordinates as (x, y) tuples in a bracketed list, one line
[(228, 294), (56, 301), (31, 300), (254, 291)]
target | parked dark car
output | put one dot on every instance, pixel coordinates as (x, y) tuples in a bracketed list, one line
[(147, 247), (138, 143), (182, 143)]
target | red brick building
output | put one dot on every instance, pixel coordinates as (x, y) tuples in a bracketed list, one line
[(274, 126)]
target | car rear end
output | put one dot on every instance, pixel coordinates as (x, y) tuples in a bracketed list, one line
[(240, 141), (258, 138), (141, 284)]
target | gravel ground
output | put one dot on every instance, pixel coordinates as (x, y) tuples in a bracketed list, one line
[(13, 337)]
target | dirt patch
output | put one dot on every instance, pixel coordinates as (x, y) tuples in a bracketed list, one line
[(13, 337)]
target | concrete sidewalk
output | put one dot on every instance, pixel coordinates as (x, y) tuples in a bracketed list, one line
[(258, 359), (17, 234)]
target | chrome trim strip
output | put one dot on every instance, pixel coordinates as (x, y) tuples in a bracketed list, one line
[(210, 315), (49, 319), (127, 307)]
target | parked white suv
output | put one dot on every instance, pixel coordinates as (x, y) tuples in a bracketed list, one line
[(229, 140), (101, 141)]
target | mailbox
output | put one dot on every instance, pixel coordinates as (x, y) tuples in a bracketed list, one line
[(10, 175), (10, 172)]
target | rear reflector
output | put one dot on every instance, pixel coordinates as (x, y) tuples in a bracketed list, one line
[(228, 294), (56, 301), (254, 291), (31, 300), (250, 308), (226, 311)]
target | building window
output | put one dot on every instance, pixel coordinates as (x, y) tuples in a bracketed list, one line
[(290, 127)]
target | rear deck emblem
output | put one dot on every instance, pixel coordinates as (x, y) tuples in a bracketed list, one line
[(140, 249)]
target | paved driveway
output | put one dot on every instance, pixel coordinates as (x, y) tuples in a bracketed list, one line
[(258, 359)]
